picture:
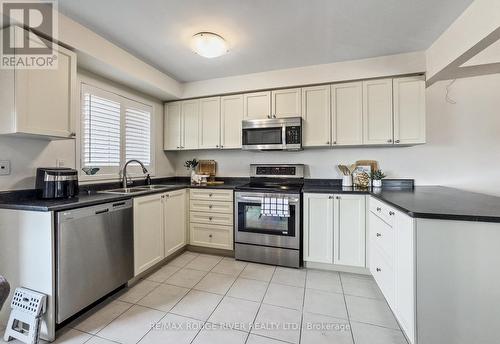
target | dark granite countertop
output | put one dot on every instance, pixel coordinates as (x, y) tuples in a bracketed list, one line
[(430, 202), (92, 195)]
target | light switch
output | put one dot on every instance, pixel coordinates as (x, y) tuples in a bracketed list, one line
[(4, 167)]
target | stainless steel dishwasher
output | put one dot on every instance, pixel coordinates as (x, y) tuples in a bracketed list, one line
[(95, 254)]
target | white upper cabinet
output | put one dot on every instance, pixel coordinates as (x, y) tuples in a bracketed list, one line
[(40, 102), (231, 117), (316, 115), (210, 123), (318, 228), (172, 126), (347, 114), (349, 230), (286, 103), (190, 110), (409, 110), (257, 105), (377, 112)]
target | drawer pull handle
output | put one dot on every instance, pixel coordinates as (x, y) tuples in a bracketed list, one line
[(210, 218), (391, 213), (210, 235), (210, 195), (210, 206), (379, 235), (379, 209), (379, 269)]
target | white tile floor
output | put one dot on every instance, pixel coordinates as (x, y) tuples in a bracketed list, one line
[(202, 299)]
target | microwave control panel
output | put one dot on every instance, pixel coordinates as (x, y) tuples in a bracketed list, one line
[(293, 135)]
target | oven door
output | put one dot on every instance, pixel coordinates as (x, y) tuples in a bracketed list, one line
[(263, 138), (253, 228)]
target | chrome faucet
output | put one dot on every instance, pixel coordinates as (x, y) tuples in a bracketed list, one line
[(124, 171)]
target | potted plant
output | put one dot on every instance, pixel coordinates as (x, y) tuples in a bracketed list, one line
[(377, 177), (191, 166)]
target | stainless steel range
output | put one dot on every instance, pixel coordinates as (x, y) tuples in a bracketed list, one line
[(268, 211)]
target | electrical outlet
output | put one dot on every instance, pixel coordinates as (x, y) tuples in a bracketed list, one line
[(4, 167)]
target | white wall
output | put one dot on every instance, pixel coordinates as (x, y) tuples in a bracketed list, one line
[(462, 147), (26, 154)]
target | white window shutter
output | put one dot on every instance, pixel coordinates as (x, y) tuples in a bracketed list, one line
[(100, 132), (138, 135)]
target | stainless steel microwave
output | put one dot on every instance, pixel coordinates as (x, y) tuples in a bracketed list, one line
[(272, 134)]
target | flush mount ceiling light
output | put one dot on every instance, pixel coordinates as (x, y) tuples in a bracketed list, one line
[(209, 44)]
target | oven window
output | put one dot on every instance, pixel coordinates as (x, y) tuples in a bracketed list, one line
[(263, 136), (250, 220)]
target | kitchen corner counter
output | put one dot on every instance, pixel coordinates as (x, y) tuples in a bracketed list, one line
[(427, 202)]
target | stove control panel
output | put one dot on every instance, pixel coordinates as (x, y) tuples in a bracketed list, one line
[(277, 170)]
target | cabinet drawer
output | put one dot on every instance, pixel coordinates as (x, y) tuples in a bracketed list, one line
[(211, 206), (212, 195), (211, 236), (383, 274), (382, 236), (382, 210), (211, 218)]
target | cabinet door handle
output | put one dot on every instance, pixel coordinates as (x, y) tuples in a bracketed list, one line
[(391, 213), (210, 218), (72, 134), (210, 206), (379, 269), (379, 235), (338, 197), (389, 141), (330, 197), (327, 142), (397, 141), (334, 142), (216, 146), (379, 209), (274, 116), (210, 195), (210, 235)]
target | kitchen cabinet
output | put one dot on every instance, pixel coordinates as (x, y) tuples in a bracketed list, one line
[(409, 110), (211, 218), (148, 232), (377, 112), (349, 230), (40, 102), (182, 125), (318, 228), (257, 105), (334, 229), (174, 220), (190, 110), (347, 114), (172, 126), (232, 110), (316, 116), (286, 103), (392, 261), (210, 123)]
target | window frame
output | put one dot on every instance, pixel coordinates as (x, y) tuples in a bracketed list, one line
[(126, 102)]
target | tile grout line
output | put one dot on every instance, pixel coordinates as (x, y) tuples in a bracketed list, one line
[(260, 304), (236, 277), (346, 308), (302, 313)]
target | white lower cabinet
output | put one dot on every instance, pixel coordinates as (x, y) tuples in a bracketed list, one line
[(159, 227), (211, 218), (174, 221), (334, 229), (392, 261), (349, 229), (148, 232)]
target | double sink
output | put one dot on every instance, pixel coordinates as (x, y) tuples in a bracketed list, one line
[(138, 189)]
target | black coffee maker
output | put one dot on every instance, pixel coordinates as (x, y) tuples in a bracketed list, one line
[(56, 182)]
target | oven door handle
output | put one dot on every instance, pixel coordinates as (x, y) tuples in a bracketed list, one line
[(291, 200)]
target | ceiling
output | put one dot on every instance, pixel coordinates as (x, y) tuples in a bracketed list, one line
[(264, 35)]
